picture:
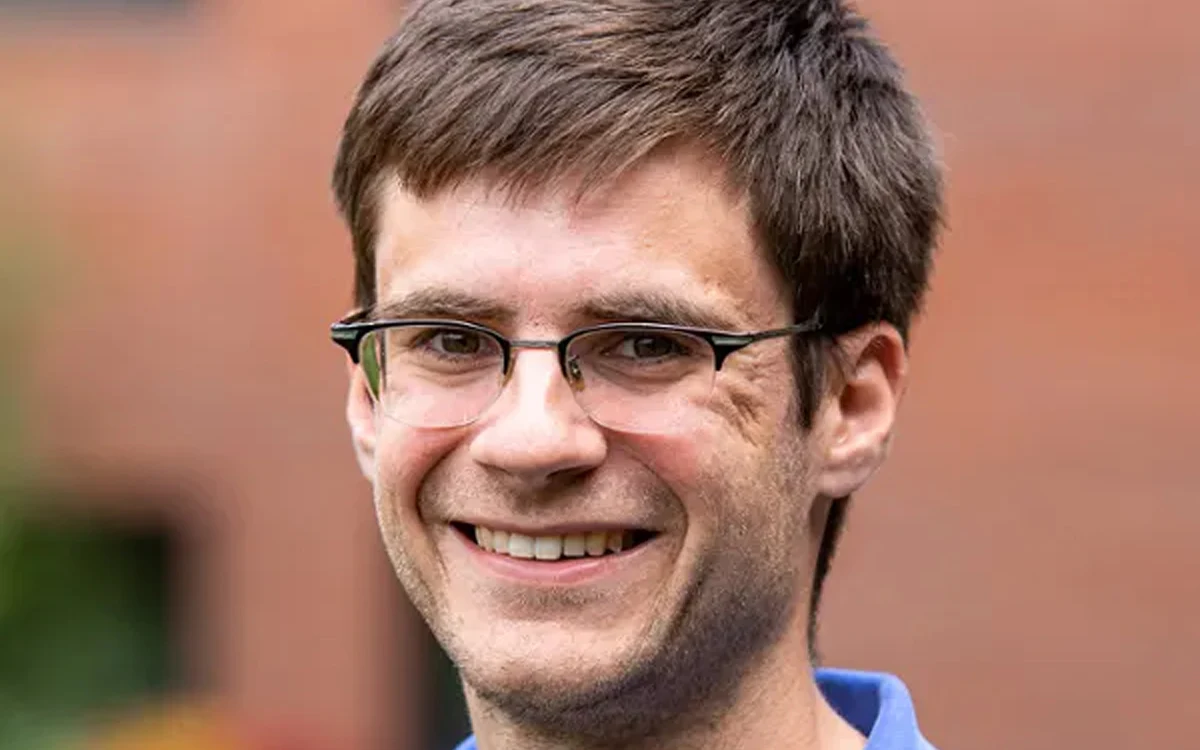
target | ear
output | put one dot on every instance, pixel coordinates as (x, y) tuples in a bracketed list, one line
[(859, 408), (360, 413)]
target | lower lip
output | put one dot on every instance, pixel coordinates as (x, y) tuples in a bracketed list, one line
[(561, 572)]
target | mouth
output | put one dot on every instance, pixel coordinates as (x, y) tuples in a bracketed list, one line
[(550, 548)]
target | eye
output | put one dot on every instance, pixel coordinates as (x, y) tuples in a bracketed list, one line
[(638, 357), (454, 342), (643, 345), (446, 345), (640, 351)]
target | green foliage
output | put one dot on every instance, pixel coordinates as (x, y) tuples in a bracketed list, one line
[(82, 623), (83, 626)]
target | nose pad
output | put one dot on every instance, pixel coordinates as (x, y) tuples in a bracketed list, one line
[(575, 374), (568, 370)]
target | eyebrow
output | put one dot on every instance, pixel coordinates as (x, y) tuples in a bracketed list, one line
[(648, 306), (633, 306), (442, 302)]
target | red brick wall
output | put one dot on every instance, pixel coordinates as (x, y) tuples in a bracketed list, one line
[(1032, 548), (193, 263), (1027, 560)]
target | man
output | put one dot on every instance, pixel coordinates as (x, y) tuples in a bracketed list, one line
[(634, 279)]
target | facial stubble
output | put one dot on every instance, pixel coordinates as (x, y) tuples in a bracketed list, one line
[(690, 662)]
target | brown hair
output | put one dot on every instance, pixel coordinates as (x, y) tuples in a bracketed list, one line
[(805, 109)]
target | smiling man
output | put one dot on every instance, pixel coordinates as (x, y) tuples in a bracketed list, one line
[(634, 280)]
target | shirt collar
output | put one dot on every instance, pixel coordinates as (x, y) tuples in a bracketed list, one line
[(877, 705)]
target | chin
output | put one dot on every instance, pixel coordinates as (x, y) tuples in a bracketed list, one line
[(550, 675), (622, 679), (562, 699), (556, 656)]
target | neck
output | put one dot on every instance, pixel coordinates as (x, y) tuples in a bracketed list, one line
[(777, 705)]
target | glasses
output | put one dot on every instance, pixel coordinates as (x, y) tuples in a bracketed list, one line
[(632, 377)]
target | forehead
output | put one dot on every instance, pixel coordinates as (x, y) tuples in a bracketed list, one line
[(667, 231)]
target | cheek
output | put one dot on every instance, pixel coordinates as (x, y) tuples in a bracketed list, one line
[(756, 404), (738, 468), (404, 458), (696, 465)]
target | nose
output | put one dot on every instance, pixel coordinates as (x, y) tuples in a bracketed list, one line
[(535, 433)]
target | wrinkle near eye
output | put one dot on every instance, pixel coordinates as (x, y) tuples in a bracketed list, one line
[(748, 391)]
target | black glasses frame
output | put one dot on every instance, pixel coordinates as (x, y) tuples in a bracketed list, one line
[(349, 334)]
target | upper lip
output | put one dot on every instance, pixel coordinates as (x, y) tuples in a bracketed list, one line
[(558, 529)]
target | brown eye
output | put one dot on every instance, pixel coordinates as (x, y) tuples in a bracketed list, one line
[(644, 346), (460, 343), (445, 345)]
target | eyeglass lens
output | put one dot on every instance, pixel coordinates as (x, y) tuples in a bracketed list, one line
[(633, 379)]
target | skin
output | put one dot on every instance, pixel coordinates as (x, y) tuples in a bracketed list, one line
[(701, 640)]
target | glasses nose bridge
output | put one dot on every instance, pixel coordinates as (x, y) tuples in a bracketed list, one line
[(517, 344)]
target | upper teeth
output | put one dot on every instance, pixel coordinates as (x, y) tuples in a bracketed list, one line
[(552, 547)]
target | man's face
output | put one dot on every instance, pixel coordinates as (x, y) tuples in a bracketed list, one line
[(718, 504)]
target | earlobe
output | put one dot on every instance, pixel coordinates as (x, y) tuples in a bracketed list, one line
[(860, 409), (360, 414)]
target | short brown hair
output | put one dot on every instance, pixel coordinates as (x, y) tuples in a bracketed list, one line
[(808, 113)]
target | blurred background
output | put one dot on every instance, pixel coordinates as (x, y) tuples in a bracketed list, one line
[(188, 558)]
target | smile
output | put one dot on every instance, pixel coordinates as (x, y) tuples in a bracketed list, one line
[(552, 547)]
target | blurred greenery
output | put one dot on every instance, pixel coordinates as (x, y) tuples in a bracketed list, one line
[(83, 628), (83, 606)]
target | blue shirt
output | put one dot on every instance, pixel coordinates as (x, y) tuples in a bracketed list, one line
[(877, 705)]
